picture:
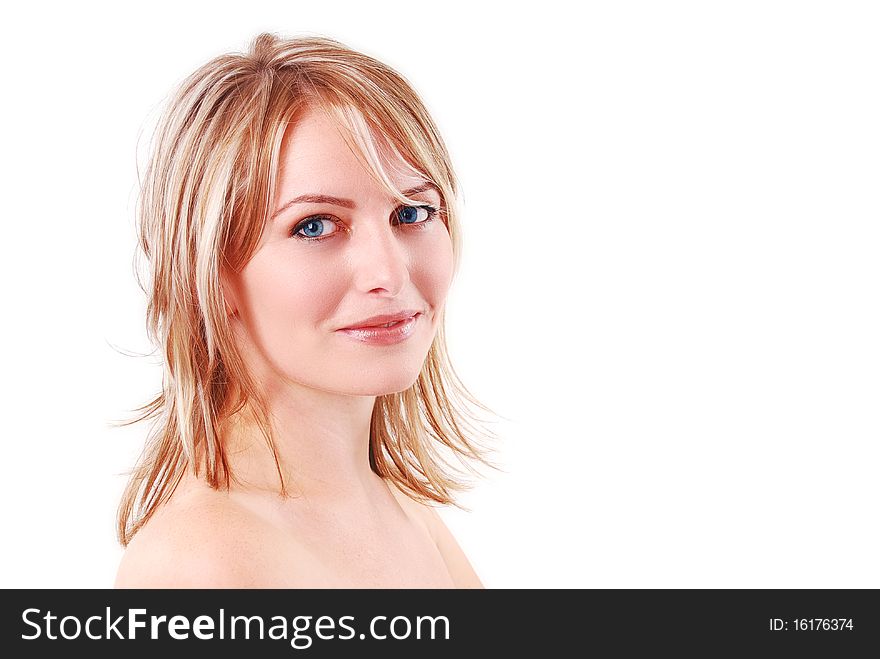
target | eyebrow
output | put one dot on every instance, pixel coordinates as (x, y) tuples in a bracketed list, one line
[(310, 198)]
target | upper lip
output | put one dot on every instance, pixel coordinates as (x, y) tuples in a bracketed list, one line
[(383, 319)]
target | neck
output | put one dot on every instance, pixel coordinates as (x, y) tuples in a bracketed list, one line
[(322, 440)]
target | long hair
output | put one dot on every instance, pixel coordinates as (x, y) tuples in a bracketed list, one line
[(205, 198)]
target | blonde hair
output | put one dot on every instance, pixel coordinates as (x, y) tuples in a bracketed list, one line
[(205, 197)]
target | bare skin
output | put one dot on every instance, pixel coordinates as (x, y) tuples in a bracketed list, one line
[(203, 538), (342, 525)]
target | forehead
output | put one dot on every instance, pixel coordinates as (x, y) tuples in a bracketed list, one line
[(318, 154)]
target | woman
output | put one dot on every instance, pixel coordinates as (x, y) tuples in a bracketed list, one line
[(298, 217)]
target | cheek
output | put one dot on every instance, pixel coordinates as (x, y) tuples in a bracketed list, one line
[(283, 295), (433, 267)]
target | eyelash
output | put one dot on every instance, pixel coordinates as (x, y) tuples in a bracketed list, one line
[(432, 213)]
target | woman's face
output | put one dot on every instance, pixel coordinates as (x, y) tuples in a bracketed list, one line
[(338, 252)]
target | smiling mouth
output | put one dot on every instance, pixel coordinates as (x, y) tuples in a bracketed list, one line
[(389, 333), (384, 320)]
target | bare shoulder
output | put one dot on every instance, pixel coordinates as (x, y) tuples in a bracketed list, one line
[(460, 568), (200, 539)]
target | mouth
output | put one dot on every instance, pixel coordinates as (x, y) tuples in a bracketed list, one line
[(384, 320), (384, 331)]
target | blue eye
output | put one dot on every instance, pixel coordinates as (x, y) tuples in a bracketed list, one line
[(319, 227), (315, 227), (414, 214)]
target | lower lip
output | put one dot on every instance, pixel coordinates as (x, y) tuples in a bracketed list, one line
[(383, 336)]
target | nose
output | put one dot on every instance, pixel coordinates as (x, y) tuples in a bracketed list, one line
[(380, 261)]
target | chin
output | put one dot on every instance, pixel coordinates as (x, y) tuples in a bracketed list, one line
[(360, 375), (381, 384)]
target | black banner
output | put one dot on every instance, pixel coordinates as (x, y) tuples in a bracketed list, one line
[(417, 623)]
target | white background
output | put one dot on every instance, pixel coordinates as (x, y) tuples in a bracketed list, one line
[(669, 287)]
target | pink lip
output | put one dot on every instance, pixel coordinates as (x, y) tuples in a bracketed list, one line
[(401, 329), (383, 319)]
